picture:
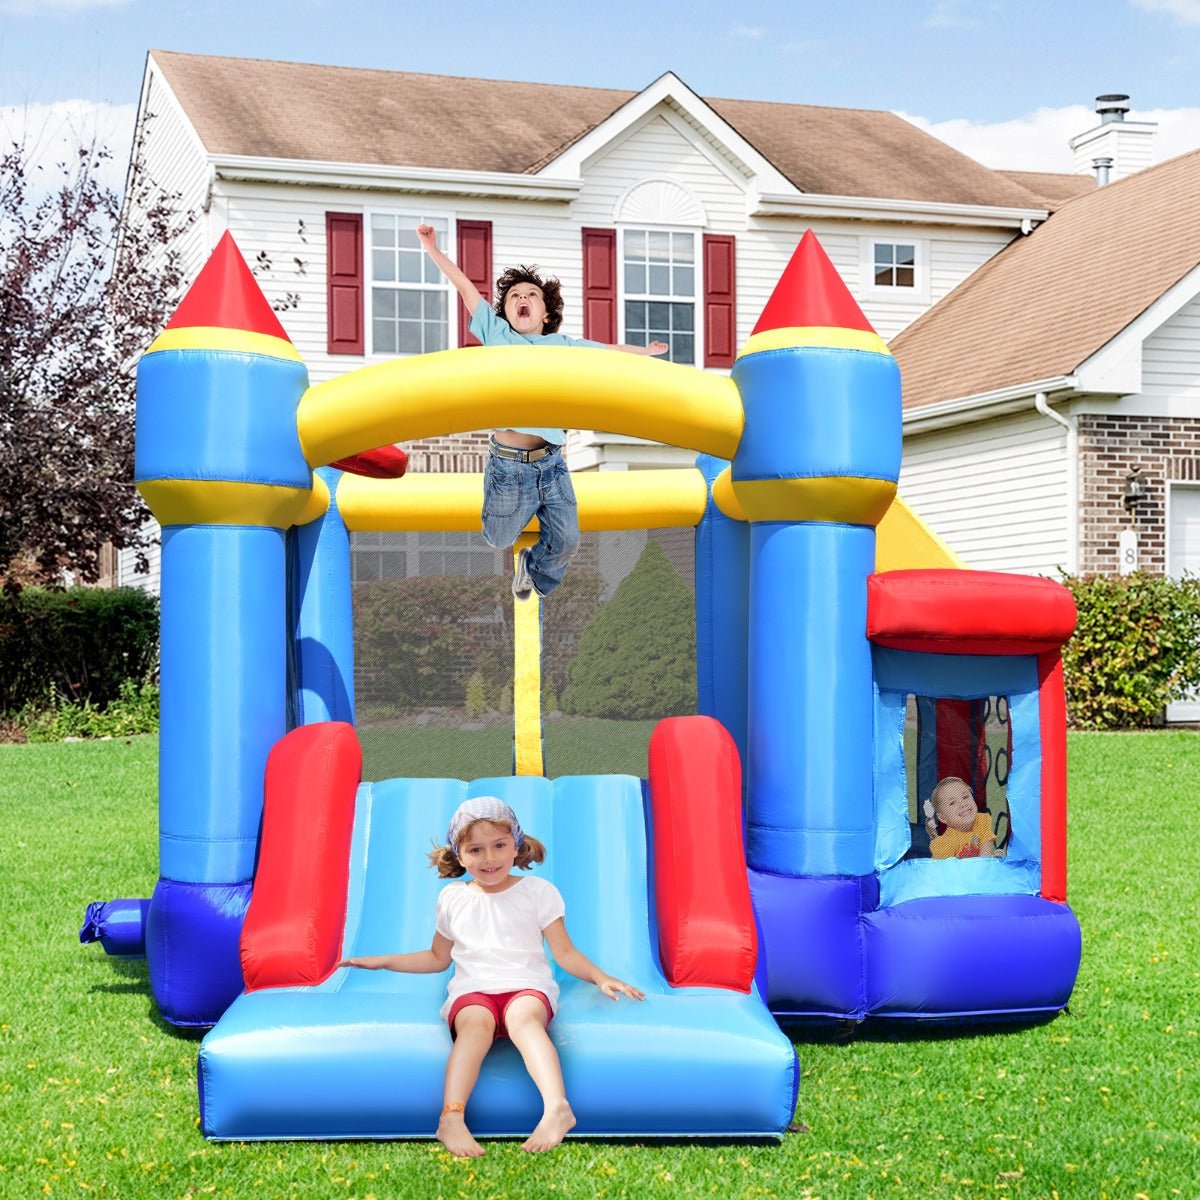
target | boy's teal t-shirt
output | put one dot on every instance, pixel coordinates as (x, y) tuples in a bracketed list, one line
[(493, 330)]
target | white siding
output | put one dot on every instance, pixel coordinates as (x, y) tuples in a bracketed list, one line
[(996, 492), (174, 159), (1171, 360)]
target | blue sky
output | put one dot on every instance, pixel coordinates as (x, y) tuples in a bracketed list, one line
[(1008, 81)]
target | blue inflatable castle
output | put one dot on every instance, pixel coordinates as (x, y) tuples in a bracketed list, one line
[(866, 819)]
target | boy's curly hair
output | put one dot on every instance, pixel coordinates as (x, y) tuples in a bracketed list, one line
[(551, 293), (446, 861)]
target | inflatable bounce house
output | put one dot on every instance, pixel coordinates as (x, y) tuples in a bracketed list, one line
[(775, 860)]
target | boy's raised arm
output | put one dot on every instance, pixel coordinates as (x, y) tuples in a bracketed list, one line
[(427, 236)]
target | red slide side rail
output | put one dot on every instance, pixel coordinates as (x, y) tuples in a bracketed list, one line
[(293, 929), (706, 935)]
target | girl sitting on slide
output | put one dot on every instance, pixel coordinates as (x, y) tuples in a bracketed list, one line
[(492, 928)]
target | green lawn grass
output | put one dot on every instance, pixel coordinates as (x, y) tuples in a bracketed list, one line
[(98, 1097)]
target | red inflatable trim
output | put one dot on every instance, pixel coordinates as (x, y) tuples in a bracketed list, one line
[(294, 925), (811, 292), (388, 462), (706, 935), (968, 612), (226, 295), (1052, 710)]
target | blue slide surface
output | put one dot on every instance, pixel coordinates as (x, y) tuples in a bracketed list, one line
[(363, 1054)]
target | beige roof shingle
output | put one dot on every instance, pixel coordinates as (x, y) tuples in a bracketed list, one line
[(1052, 187), (243, 106), (1049, 301)]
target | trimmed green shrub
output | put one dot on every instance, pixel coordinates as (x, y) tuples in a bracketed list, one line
[(1135, 649), (637, 655), (81, 644), (134, 710)]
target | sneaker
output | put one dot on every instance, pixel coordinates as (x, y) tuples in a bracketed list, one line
[(522, 584)]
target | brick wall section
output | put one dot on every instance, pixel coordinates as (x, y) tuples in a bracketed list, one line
[(1111, 448), (459, 453)]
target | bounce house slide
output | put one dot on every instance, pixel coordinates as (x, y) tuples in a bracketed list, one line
[(350, 1053)]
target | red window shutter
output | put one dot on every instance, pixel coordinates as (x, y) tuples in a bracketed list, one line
[(344, 282), (600, 285), (720, 301), (475, 261)]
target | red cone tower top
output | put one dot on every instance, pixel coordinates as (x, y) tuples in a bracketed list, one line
[(809, 293), (227, 296)]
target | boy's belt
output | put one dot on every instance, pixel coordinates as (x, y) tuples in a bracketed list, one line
[(503, 451)]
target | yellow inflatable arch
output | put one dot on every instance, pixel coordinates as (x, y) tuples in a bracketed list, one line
[(448, 392)]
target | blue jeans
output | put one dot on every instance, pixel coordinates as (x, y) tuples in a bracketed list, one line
[(515, 492)]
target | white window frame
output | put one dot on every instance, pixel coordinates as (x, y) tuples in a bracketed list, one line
[(919, 292), (698, 281), (404, 216)]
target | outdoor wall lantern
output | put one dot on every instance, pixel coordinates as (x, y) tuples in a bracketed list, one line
[(1136, 490)]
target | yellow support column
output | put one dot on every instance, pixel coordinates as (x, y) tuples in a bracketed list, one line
[(528, 755)]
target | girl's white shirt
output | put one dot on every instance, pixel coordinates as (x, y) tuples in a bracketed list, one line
[(498, 943)]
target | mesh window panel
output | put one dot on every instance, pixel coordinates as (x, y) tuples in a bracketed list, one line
[(434, 654), (976, 733)]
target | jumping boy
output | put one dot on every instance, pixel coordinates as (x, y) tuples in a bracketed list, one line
[(525, 474)]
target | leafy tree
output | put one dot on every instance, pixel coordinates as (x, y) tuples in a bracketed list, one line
[(82, 293), (637, 655)]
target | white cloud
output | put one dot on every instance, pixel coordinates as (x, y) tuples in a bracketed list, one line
[(53, 133), (754, 32), (951, 14), (1187, 11), (1040, 140), (40, 8)]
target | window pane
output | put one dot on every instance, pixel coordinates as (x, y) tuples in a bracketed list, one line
[(684, 281), (435, 337), (660, 280), (906, 255), (435, 307), (383, 336), (635, 322), (410, 337), (409, 305), (635, 277), (658, 317), (391, 564), (458, 562), (660, 246), (410, 267), (682, 317), (683, 349), (905, 277), (383, 231), (635, 244), (683, 247), (883, 277), (383, 266), (883, 256), (383, 301)]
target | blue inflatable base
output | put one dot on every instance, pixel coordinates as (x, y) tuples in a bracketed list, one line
[(829, 953)]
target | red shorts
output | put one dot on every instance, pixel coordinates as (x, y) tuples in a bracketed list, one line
[(497, 1004)]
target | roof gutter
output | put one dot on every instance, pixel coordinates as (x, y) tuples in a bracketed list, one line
[(375, 177), (964, 409), (863, 208)]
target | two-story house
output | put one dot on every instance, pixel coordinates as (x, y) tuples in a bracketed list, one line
[(666, 215)]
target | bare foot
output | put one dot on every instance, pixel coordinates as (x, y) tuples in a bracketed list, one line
[(453, 1133), (557, 1121)]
